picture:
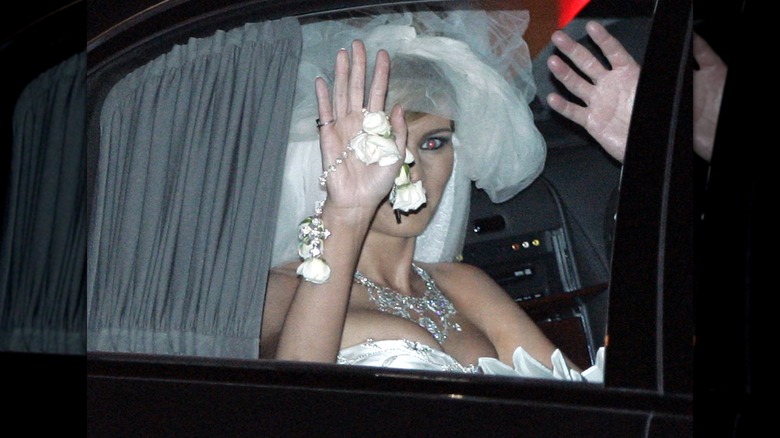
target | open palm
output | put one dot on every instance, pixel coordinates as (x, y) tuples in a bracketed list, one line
[(608, 91), (353, 184)]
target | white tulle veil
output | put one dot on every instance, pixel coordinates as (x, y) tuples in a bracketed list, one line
[(443, 63)]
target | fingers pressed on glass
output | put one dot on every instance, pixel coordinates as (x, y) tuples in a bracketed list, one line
[(567, 109), (323, 103), (570, 78), (357, 77), (612, 49), (341, 84), (378, 91), (399, 127), (582, 58)]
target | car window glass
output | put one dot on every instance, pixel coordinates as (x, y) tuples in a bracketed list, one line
[(549, 246)]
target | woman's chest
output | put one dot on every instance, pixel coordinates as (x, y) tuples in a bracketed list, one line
[(459, 338)]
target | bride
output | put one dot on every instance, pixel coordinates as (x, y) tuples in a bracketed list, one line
[(391, 159)]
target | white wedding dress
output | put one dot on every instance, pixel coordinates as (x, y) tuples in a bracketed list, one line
[(404, 354)]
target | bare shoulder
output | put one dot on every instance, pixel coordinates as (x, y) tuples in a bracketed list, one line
[(456, 278), (453, 270)]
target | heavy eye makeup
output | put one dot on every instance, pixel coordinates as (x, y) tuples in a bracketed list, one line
[(436, 140)]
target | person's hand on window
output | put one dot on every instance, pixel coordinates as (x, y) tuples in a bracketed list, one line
[(352, 184), (608, 93), (708, 82)]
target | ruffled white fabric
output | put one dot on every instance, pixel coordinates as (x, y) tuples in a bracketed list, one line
[(527, 366), (400, 353), (404, 354)]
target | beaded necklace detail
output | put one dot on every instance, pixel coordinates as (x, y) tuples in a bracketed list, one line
[(433, 300)]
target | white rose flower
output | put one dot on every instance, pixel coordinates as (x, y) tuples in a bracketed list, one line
[(386, 151), (408, 158), (314, 270), (409, 197), (371, 149), (358, 144), (403, 176), (377, 123)]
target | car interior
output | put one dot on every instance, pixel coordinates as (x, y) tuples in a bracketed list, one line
[(557, 248), (570, 210), (549, 246)]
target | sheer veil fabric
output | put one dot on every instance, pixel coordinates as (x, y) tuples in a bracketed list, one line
[(467, 65)]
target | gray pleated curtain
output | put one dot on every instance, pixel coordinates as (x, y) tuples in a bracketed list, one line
[(185, 195), (43, 253)]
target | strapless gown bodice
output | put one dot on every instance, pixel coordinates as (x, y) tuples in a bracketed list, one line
[(405, 354), (401, 353)]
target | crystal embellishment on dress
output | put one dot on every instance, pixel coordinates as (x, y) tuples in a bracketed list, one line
[(433, 301)]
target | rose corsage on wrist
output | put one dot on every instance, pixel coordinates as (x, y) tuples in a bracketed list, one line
[(375, 143), (311, 235)]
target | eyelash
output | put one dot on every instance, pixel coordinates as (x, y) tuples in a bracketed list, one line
[(442, 141)]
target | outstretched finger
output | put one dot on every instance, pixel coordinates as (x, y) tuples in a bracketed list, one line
[(614, 51), (326, 117), (323, 99), (398, 122), (582, 58), (357, 77), (570, 79), (378, 91), (570, 110), (340, 84)]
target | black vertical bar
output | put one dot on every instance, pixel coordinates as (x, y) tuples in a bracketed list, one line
[(635, 326), (739, 235)]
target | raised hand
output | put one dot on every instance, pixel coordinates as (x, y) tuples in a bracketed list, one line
[(352, 183), (708, 82), (607, 92)]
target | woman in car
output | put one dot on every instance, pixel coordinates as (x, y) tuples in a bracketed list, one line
[(379, 284)]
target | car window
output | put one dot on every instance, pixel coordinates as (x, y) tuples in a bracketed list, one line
[(613, 265), (562, 280), (550, 245), (566, 217)]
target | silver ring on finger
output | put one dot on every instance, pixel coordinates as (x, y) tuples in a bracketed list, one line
[(320, 124)]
